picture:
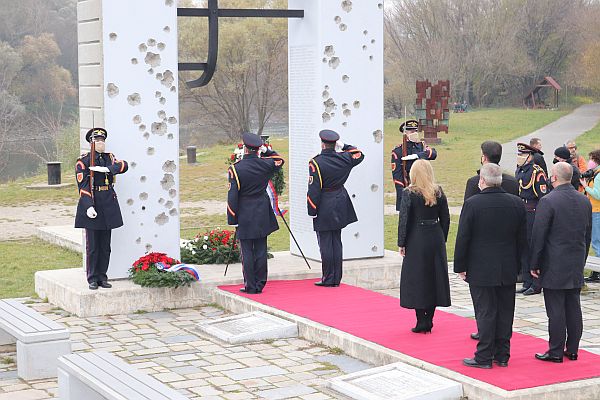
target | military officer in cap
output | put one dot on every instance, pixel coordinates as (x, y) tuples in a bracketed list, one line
[(249, 208), (98, 209), (403, 157), (532, 187), (328, 202)]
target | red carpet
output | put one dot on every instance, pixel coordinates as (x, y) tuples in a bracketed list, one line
[(380, 319)]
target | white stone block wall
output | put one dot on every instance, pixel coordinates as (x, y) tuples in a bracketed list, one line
[(336, 82), (128, 82)]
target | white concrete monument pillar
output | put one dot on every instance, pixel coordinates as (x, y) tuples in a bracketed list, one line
[(336, 82), (128, 82)]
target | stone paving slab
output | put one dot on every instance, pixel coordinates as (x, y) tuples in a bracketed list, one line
[(249, 327)]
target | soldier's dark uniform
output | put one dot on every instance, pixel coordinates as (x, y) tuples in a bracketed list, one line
[(103, 198), (249, 208), (420, 149), (329, 204), (533, 186)]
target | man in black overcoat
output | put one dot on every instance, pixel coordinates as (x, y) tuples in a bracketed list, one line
[(249, 209), (328, 201), (561, 238), (491, 246)]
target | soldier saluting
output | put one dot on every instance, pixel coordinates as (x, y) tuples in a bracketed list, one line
[(404, 155), (98, 208), (328, 201), (249, 209)]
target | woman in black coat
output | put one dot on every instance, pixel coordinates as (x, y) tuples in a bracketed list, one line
[(422, 234)]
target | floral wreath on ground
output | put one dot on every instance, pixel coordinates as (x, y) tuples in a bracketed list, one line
[(152, 270)]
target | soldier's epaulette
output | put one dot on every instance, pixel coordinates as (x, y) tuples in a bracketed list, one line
[(537, 168), (83, 155)]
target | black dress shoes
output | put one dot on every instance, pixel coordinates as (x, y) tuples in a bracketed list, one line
[(501, 363), (93, 286), (594, 277), (244, 290), (326, 284), (105, 285), (548, 357), (475, 336), (470, 362), (531, 291), (521, 290), (570, 356)]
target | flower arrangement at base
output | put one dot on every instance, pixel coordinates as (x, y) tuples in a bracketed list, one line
[(151, 270), (214, 247)]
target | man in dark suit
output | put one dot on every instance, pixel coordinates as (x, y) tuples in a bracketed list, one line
[(249, 209), (328, 202), (491, 245), (561, 237), (491, 152)]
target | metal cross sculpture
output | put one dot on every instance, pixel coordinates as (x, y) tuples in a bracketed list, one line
[(213, 12)]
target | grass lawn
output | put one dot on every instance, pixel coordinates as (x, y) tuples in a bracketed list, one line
[(589, 141), (21, 259)]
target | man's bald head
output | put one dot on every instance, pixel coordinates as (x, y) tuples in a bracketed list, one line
[(563, 173)]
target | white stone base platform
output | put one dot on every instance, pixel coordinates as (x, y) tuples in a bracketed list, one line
[(369, 352), (68, 288)]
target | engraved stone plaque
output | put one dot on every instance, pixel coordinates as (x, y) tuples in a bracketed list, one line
[(250, 327)]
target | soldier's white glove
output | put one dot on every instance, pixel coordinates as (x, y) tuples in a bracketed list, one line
[(262, 149), (100, 169), (410, 157), (91, 212), (339, 145)]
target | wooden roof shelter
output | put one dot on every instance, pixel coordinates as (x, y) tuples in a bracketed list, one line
[(533, 100)]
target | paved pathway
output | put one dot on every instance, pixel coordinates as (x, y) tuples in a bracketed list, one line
[(555, 134)]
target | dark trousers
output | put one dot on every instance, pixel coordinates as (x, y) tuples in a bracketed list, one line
[(97, 254), (494, 313), (330, 245), (565, 323), (528, 280), (254, 263)]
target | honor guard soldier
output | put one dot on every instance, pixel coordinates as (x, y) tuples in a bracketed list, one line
[(328, 202), (249, 208), (404, 155), (533, 186), (98, 209)]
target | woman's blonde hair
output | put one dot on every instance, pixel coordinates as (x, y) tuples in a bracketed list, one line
[(422, 181)]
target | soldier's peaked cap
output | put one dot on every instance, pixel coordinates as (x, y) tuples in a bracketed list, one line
[(410, 125), (251, 140), (96, 133), (525, 148), (328, 135)]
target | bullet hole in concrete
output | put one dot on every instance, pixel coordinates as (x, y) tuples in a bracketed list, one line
[(380, 6), (141, 224), (148, 247), (326, 87), (161, 219), (151, 71), (143, 208), (134, 99), (151, 42), (356, 104), (133, 213), (150, 151), (325, 94), (337, 19), (146, 135), (157, 94), (347, 113), (332, 114), (353, 196), (170, 136), (169, 204), (344, 124), (112, 36), (169, 166), (112, 90), (329, 51), (129, 202), (324, 60), (345, 78), (134, 61), (370, 58), (166, 29), (329, 105), (167, 182), (152, 59), (159, 128), (372, 41), (142, 128), (133, 164), (137, 119), (172, 120), (143, 196), (162, 114), (365, 32), (334, 62), (162, 100), (143, 48), (343, 27), (173, 89), (167, 78), (357, 235), (374, 249), (378, 136), (347, 5), (161, 201), (374, 188), (156, 235), (159, 76), (161, 46), (344, 105), (326, 117), (143, 179), (364, 47), (172, 193), (173, 212), (138, 240), (169, 3)]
